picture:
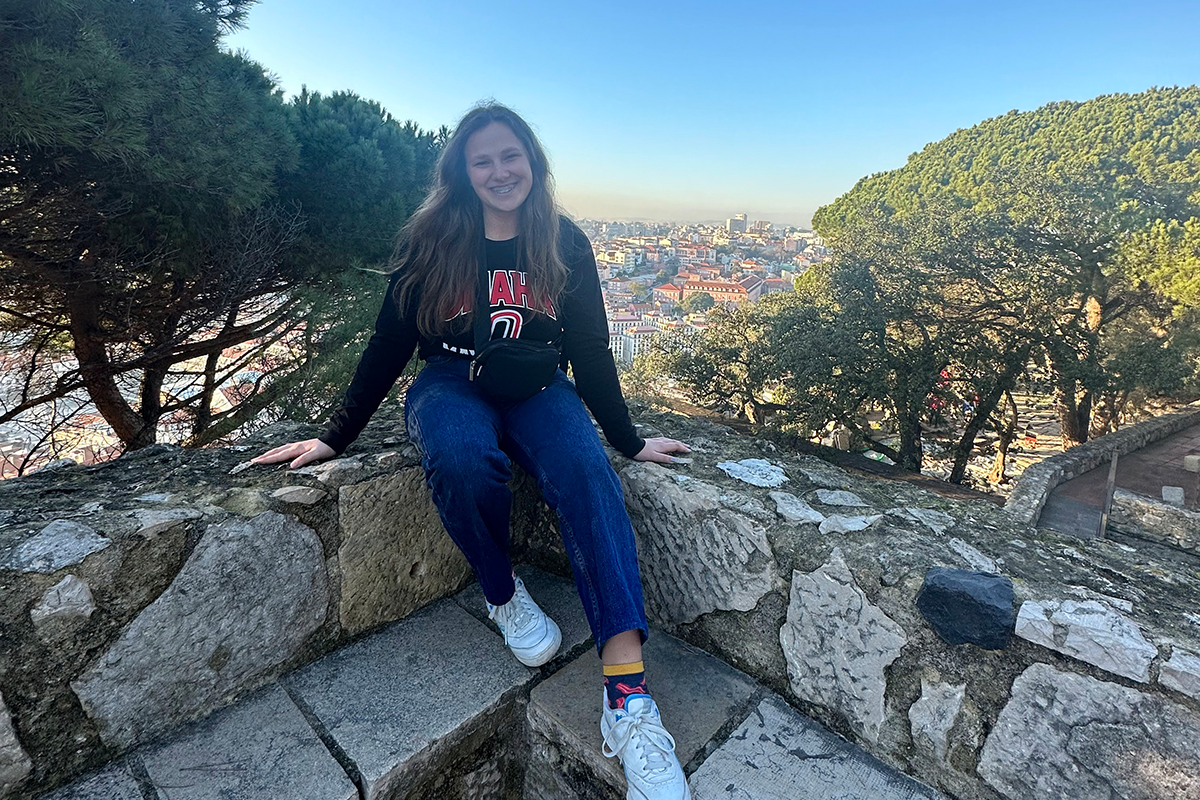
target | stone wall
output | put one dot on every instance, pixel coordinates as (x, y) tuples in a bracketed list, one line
[(141, 593), (982, 656), (1153, 519), (1038, 481)]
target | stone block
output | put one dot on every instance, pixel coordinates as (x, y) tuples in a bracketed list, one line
[(794, 510), (62, 543), (841, 524), (395, 556), (1064, 736), (840, 497), (401, 699), (114, 782), (1090, 631), (698, 552), (779, 754), (933, 716), (245, 601), (1173, 495), (304, 495), (838, 645), (259, 749), (1191, 463), (69, 599), (696, 695), (754, 471), (14, 761), (968, 607), (556, 596), (1182, 673)]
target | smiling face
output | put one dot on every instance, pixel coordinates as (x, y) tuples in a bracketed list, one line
[(501, 176)]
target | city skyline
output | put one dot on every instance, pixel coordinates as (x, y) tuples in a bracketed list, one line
[(687, 112)]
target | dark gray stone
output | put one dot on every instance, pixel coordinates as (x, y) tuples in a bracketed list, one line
[(399, 700), (696, 694), (260, 748), (779, 754), (966, 607), (113, 782), (556, 596)]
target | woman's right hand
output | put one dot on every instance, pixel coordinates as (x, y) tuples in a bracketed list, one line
[(301, 453)]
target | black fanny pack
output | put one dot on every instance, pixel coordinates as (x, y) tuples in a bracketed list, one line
[(507, 369)]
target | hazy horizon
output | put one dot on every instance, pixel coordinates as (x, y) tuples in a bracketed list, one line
[(679, 111)]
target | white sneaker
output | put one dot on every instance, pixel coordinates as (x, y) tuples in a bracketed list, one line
[(635, 735), (531, 635)]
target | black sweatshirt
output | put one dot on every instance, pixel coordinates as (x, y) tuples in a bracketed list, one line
[(578, 316)]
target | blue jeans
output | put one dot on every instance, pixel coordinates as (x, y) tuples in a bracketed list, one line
[(466, 443)]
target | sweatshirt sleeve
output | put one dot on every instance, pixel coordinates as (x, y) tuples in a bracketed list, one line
[(585, 344), (387, 353)]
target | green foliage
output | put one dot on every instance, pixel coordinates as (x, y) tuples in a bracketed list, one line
[(698, 302), (162, 204)]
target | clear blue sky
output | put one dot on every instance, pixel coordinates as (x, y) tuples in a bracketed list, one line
[(700, 110)]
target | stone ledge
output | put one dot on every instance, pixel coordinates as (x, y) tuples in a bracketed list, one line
[(1035, 484), (1138, 515)]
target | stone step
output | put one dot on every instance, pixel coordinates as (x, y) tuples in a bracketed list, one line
[(777, 753), (408, 704), (557, 597), (698, 696), (261, 747), (435, 706)]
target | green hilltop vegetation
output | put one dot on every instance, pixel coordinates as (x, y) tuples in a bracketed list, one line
[(1056, 250), (169, 220)]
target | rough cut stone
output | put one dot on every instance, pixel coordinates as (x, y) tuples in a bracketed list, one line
[(14, 762), (261, 747), (1173, 495), (394, 700), (1182, 673), (975, 559), (696, 556), (152, 522), (247, 598), (70, 598), (1090, 631), (1064, 736), (837, 645), (839, 524), (60, 544), (305, 495), (794, 510), (778, 754), (934, 714), (697, 696), (754, 471), (394, 556), (968, 607), (937, 521), (336, 473), (838, 497), (113, 782)]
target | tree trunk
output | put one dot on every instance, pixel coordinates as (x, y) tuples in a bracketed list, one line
[(96, 370), (1074, 413), (1008, 433), (983, 412)]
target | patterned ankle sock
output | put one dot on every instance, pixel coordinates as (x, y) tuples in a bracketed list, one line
[(622, 680)]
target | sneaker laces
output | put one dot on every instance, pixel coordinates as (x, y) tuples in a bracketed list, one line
[(518, 613), (643, 733)]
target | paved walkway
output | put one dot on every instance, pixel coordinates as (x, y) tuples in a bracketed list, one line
[(434, 706), (1074, 507)]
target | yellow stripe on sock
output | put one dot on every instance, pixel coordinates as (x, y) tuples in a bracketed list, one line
[(623, 669)]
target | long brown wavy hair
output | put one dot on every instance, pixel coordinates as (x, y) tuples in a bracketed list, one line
[(438, 247)]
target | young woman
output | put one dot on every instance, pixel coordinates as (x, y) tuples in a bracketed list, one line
[(492, 201)]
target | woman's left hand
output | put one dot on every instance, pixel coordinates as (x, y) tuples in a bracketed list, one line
[(660, 450)]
